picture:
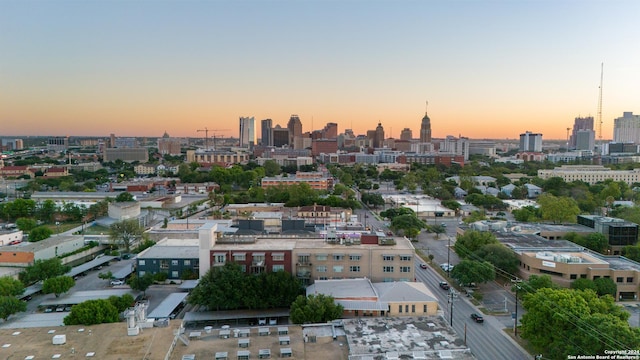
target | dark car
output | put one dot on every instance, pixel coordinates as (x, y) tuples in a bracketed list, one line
[(444, 285), (477, 318), (423, 266)]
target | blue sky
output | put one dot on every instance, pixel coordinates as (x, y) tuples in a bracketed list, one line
[(489, 69)]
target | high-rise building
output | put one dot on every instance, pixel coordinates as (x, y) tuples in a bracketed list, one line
[(266, 136), (58, 143), (425, 129), (295, 128), (280, 136), (585, 140), (247, 132), (378, 139), (169, 146), (530, 142), (330, 131), (406, 134), (580, 123), (626, 129)]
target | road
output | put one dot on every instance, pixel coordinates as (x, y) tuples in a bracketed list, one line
[(487, 340)]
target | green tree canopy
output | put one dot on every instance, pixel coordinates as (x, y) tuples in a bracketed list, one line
[(40, 233), (10, 286), (470, 271), (558, 209), (26, 224), (499, 256), (141, 283), (125, 232), (10, 305), (124, 197), (605, 286), (92, 312), (315, 309), (471, 241), (562, 322), (42, 270), (57, 285)]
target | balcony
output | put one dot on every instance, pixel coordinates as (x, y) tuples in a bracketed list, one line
[(304, 274)]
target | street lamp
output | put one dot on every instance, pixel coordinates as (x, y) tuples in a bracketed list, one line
[(448, 255)]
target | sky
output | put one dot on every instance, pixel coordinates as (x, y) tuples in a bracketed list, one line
[(488, 69)]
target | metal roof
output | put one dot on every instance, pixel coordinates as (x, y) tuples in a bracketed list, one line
[(90, 265), (363, 305), (82, 296), (168, 305)]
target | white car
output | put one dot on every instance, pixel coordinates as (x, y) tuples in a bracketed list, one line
[(117, 282), (446, 267)]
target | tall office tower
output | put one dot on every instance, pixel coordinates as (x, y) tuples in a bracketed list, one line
[(585, 140), (330, 131), (169, 146), (579, 123), (295, 128), (531, 142), (280, 136), (112, 140), (626, 129), (266, 136), (406, 134), (378, 139), (425, 129), (247, 132)]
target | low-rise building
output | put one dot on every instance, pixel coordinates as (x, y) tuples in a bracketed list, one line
[(316, 180), (178, 258)]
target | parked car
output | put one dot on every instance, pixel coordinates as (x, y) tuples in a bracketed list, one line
[(262, 321), (446, 267), (444, 285), (116, 282), (60, 309), (273, 321), (423, 266), (477, 318)]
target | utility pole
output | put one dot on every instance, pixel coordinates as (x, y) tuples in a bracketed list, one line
[(448, 256), (452, 296), (517, 282)]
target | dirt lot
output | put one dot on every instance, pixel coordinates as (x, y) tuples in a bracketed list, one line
[(110, 342)]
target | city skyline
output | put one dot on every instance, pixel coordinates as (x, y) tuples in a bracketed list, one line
[(489, 69)]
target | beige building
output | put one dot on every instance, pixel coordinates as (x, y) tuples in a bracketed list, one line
[(316, 180), (124, 210), (362, 297), (590, 174)]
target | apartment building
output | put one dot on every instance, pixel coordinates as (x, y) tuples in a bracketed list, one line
[(590, 174), (316, 180)]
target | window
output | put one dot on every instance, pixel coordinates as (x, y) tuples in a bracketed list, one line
[(321, 269), (323, 278), (354, 268), (629, 279), (583, 276), (174, 262), (141, 273), (141, 262), (573, 276), (338, 268), (596, 277), (387, 257), (303, 259), (400, 309), (406, 308), (240, 257), (187, 263), (405, 257), (277, 256), (174, 275), (321, 257), (619, 279), (413, 308), (243, 268), (219, 258), (164, 264), (338, 257), (355, 257), (387, 269), (277, 268), (424, 308), (405, 269)]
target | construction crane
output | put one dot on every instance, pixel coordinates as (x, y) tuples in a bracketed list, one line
[(206, 136), (600, 107)]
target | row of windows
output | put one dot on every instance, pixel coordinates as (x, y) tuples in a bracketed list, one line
[(164, 264), (356, 268), (238, 257), (413, 308)]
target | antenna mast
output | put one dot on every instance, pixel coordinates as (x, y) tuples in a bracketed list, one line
[(600, 107)]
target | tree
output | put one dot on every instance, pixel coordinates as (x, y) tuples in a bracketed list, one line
[(558, 209), (42, 270), (562, 322), (536, 282), (500, 256), (26, 224), (470, 271), (605, 286), (121, 303), (58, 285), (40, 233), (124, 197), (92, 312), (141, 283), (106, 276), (221, 288), (315, 309), (584, 284), (271, 168), (472, 241), (10, 286), (10, 305), (126, 232)]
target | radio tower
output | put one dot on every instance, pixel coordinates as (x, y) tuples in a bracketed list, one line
[(600, 107)]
